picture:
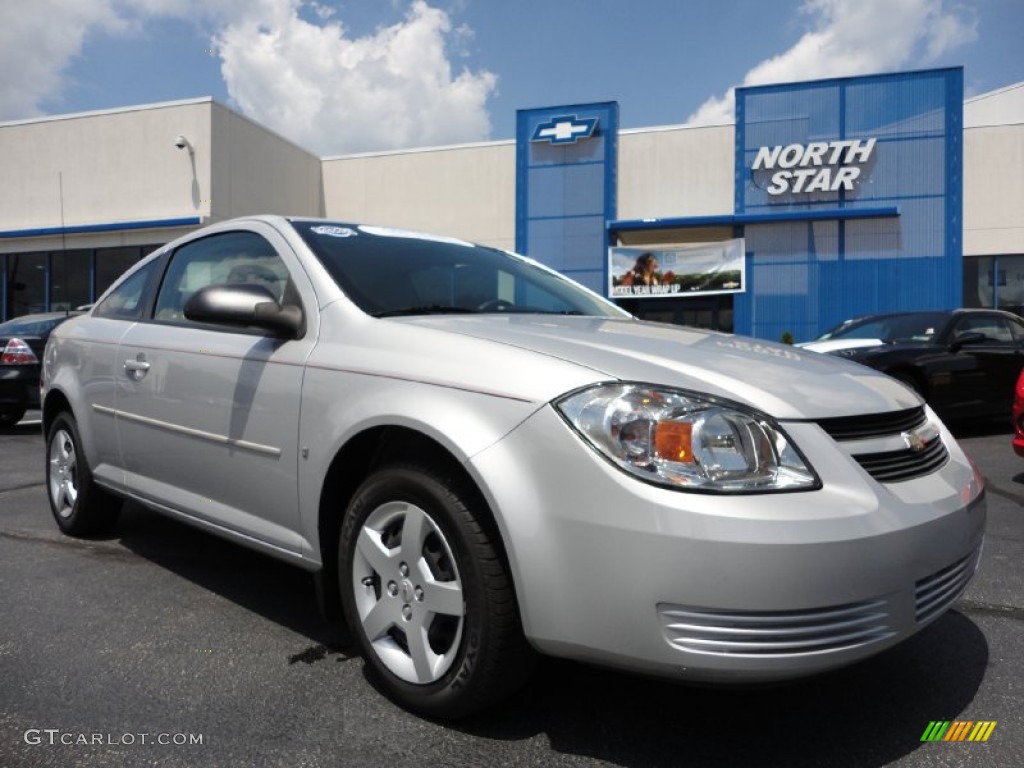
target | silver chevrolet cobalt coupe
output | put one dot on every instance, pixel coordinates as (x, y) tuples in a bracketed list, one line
[(481, 460)]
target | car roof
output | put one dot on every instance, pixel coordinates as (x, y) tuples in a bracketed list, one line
[(950, 312)]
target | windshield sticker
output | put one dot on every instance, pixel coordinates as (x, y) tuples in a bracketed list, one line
[(333, 231), (389, 232)]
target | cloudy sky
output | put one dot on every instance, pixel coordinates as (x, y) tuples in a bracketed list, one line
[(342, 76)]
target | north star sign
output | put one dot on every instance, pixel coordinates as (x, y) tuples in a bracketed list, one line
[(565, 129), (819, 166)]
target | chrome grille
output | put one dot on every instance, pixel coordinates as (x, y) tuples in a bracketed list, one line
[(898, 466), (891, 466), (872, 425), (775, 633), (934, 594)]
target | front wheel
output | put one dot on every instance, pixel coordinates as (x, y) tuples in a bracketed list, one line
[(427, 595), (80, 507)]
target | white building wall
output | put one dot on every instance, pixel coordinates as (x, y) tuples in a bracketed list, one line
[(256, 171), (463, 191), (673, 172), (994, 190), (118, 166)]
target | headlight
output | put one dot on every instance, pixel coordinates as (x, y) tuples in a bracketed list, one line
[(685, 440)]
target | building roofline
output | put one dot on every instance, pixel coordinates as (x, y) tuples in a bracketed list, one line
[(420, 150), (996, 92), (110, 111)]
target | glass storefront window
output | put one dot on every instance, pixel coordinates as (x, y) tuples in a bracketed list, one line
[(995, 281), (62, 280), (26, 283), (70, 277), (712, 312), (1007, 280), (112, 262)]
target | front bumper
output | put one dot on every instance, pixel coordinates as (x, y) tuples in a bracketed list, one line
[(715, 587)]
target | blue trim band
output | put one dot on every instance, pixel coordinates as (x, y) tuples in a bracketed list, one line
[(690, 222), (115, 227)]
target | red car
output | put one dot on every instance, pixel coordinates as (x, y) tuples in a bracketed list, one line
[(1018, 417)]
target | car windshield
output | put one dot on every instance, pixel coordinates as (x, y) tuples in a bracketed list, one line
[(31, 325), (921, 326), (389, 273)]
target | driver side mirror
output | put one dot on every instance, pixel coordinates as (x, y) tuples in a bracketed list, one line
[(245, 306), (972, 337)]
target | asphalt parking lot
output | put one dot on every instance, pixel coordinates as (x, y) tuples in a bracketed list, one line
[(161, 645)]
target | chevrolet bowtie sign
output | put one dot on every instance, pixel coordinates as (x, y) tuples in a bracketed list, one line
[(565, 129)]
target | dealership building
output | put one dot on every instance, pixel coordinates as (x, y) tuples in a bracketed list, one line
[(822, 201)]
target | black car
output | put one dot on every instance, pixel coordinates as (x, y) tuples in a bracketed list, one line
[(22, 341), (964, 362)]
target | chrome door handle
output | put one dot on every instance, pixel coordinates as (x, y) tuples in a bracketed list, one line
[(137, 368)]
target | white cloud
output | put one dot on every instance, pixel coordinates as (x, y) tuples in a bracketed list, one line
[(331, 93), (854, 38), (37, 42), (308, 80)]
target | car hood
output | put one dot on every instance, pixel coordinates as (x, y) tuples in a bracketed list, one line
[(780, 380)]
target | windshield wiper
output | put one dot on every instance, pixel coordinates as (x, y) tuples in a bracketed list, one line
[(427, 309)]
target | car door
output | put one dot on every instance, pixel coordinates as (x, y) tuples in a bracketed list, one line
[(995, 359), (208, 415), (94, 348)]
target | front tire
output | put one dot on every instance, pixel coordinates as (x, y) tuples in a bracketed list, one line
[(80, 507), (427, 595)]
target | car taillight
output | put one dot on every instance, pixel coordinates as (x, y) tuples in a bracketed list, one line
[(17, 352)]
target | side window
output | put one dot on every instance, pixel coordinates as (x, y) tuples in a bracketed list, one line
[(993, 328), (126, 301), (240, 258), (1000, 330), (1017, 329)]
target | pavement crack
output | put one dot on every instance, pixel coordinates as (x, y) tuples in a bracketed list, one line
[(990, 609), (91, 547), (16, 488), (1018, 497)]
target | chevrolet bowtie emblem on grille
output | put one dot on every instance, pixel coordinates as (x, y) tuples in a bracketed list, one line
[(565, 129), (917, 439)]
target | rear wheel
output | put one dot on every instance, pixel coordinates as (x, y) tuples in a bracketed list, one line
[(80, 507), (427, 595)]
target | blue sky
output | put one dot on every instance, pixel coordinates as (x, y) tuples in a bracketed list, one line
[(364, 75)]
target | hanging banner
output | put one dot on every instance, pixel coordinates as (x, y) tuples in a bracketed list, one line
[(678, 271)]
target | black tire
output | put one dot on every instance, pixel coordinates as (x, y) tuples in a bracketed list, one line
[(80, 507), (394, 592), (10, 417)]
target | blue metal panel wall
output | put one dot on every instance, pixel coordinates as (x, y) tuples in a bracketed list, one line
[(565, 189), (806, 277)]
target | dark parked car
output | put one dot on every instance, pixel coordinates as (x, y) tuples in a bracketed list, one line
[(22, 341), (1018, 417), (964, 362)]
